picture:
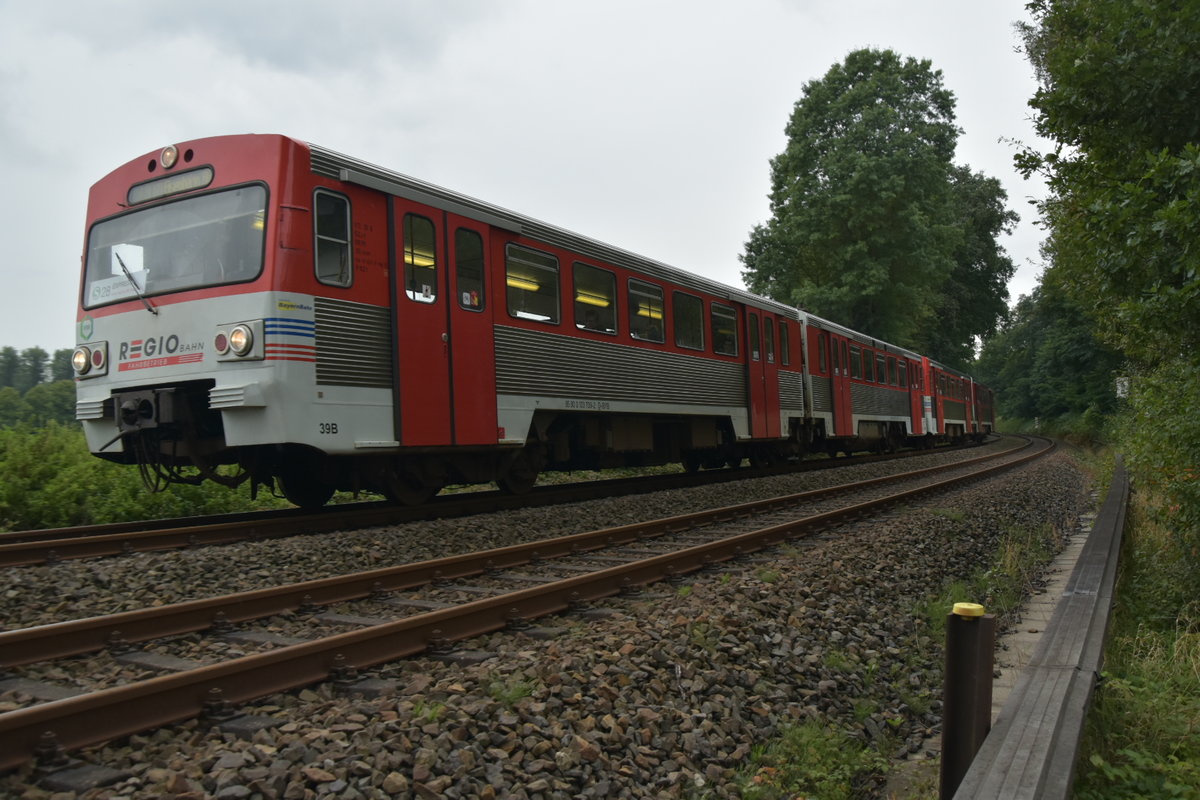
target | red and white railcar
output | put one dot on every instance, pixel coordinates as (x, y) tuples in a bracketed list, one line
[(318, 321), (256, 308)]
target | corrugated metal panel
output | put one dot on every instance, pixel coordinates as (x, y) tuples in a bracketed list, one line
[(791, 391), (354, 344), (552, 365), (822, 395), (868, 399), (954, 411), (91, 409)]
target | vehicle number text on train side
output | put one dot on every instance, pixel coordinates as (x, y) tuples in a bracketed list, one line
[(327, 428), (589, 405)]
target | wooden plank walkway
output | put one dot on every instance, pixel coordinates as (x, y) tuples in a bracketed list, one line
[(1032, 747)]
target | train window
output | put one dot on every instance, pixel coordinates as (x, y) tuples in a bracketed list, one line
[(595, 299), (687, 311), (333, 258), (855, 362), (785, 348), (893, 379), (754, 336), (822, 355), (868, 366), (769, 340), (531, 279), (880, 368), (420, 259), (903, 374), (468, 269), (724, 330), (646, 312)]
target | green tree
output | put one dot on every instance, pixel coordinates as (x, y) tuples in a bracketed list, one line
[(32, 370), (60, 365), (861, 227), (51, 402), (10, 366), (1118, 97), (1047, 362), (13, 408), (973, 299)]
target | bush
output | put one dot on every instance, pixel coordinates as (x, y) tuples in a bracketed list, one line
[(52, 481)]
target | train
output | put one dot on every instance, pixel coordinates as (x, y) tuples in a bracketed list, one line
[(257, 308)]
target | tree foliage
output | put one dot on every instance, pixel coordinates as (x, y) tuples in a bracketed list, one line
[(1047, 362), (1118, 96), (972, 301), (870, 218)]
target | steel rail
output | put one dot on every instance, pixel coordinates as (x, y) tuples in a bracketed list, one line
[(75, 637), (25, 548), (111, 713)]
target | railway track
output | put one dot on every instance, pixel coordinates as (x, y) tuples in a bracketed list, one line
[(456, 598), (24, 548)]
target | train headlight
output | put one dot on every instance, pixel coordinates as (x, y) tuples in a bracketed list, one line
[(241, 340), (169, 156), (90, 360), (81, 360)]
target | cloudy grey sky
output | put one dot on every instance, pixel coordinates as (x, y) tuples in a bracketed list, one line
[(647, 124)]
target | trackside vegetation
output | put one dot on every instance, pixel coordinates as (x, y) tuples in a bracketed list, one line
[(52, 481)]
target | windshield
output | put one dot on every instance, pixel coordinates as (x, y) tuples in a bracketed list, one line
[(200, 241)]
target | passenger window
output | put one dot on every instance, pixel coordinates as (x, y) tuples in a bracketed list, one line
[(688, 313), (892, 377), (769, 340), (855, 362), (785, 347), (903, 374), (468, 269), (880, 369), (724, 330), (531, 279), (595, 299), (822, 347), (332, 231), (754, 336), (868, 366), (646, 312), (420, 259)]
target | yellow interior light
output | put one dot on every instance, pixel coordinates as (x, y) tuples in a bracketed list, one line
[(418, 259), (649, 311), (523, 283), (592, 299)]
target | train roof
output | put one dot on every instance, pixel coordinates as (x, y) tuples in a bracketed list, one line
[(351, 170), (827, 325)]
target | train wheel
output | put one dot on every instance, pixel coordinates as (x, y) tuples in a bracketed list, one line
[(691, 463), (303, 488), (521, 474), (409, 489)]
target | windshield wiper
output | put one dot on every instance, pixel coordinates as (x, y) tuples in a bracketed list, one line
[(136, 289)]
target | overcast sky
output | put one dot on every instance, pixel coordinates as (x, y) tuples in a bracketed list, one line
[(647, 125)]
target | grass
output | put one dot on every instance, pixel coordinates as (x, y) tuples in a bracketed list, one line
[(813, 759), (1143, 729)]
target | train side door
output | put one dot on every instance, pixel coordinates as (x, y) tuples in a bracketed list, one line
[(840, 381), (472, 337), (913, 369), (772, 350), (763, 373), (420, 299)]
